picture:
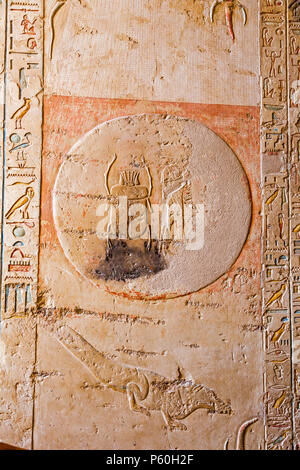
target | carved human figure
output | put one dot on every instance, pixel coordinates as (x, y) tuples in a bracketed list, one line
[(273, 55), (28, 26), (174, 180), (294, 48)]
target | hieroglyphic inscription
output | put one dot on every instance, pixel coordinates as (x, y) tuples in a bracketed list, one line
[(294, 161), (22, 142), (280, 70), (277, 281)]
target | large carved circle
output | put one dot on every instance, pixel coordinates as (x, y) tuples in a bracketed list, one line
[(154, 161)]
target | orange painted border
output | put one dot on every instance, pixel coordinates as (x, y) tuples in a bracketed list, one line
[(66, 119)]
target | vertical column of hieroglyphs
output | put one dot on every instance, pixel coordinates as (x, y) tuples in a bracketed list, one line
[(276, 247), (2, 92), (22, 155), (294, 158)]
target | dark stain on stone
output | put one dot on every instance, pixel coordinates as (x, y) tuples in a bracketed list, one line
[(124, 262)]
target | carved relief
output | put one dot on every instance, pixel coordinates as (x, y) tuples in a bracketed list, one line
[(176, 164), (160, 178), (146, 391), (241, 435), (293, 83), (22, 154), (278, 317), (229, 6), (59, 4)]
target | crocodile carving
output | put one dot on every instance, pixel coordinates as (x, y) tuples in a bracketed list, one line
[(146, 391)]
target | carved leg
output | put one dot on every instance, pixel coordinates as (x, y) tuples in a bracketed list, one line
[(109, 245), (133, 393), (170, 422), (148, 246)]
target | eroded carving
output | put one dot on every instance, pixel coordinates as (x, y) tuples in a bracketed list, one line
[(146, 391)]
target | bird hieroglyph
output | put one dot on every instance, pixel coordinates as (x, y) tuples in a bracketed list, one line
[(21, 204)]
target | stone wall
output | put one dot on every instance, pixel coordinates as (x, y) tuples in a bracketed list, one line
[(114, 341)]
